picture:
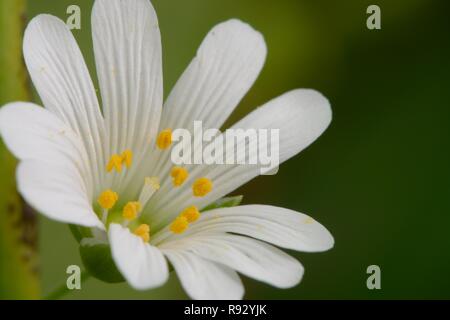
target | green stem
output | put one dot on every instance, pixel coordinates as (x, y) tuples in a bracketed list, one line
[(19, 261), (62, 289)]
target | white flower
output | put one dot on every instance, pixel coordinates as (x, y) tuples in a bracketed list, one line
[(84, 165)]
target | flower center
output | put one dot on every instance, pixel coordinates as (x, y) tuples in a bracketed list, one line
[(132, 210)]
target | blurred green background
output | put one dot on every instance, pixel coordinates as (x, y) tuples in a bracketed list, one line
[(378, 179)]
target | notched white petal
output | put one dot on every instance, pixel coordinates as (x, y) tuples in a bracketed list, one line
[(227, 63), (56, 192), (301, 115), (61, 77), (203, 279), (282, 227), (32, 132), (127, 48), (248, 256)]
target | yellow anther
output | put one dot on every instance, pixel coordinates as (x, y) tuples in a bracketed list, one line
[(127, 158), (143, 231), (131, 210), (107, 199), (179, 225), (179, 175), (164, 139), (153, 182), (191, 214), (201, 187), (115, 162)]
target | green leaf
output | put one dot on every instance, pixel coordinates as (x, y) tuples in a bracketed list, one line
[(19, 277), (98, 261), (224, 203)]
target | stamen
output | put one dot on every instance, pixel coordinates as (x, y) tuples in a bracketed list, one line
[(179, 225), (131, 210), (143, 231), (201, 187), (151, 185), (107, 199), (115, 162), (127, 158), (191, 214), (179, 175), (164, 139)]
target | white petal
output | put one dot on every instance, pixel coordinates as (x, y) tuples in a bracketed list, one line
[(301, 116), (127, 49), (56, 192), (32, 132), (142, 265), (203, 279), (52, 176), (226, 65), (62, 80), (251, 257), (282, 227)]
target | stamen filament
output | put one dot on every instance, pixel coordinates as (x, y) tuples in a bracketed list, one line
[(104, 216), (151, 185)]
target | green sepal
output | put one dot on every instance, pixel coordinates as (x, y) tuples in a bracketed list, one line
[(98, 261), (76, 232), (80, 232), (224, 203)]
